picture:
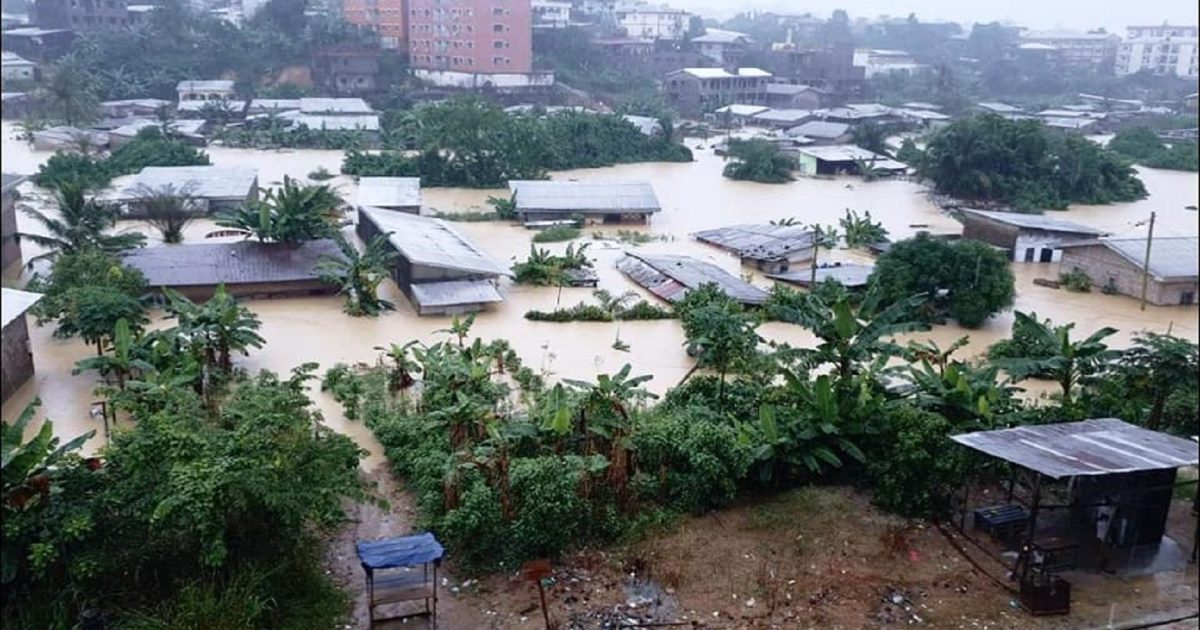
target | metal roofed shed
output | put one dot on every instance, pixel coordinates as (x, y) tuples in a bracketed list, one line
[(741, 111), (596, 201), (402, 194), (438, 269), (821, 131), (16, 364), (335, 106), (246, 268), (772, 248), (1025, 237), (671, 277), (338, 122), (213, 187), (188, 129), (837, 159), (404, 583), (1119, 265), (68, 138), (848, 275), (782, 117)]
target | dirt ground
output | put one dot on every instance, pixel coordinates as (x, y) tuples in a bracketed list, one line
[(810, 558)]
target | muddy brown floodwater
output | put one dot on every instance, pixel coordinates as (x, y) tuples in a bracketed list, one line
[(694, 196)]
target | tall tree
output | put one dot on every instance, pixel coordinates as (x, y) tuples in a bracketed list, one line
[(1072, 363), (82, 223)]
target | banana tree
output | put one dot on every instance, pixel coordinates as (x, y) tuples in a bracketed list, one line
[(123, 362), (360, 274), (400, 376), (1071, 363)]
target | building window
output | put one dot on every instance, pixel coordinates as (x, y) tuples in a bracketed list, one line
[(498, 44), (497, 28), (497, 12)]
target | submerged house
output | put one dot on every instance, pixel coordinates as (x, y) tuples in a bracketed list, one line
[(1119, 265), (401, 194), (246, 268), (1026, 237), (839, 159), (68, 139), (671, 277), (211, 188), (10, 245), (822, 132), (848, 275), (771, 248), (16, 365), (187, 130), (437, 268), (593, 201)]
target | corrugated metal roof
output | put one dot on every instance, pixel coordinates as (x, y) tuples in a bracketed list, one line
[(217, 85), (339, 122), (820, 129), (14, 303), (205, 182), (787, 89), (430, 242), (184, 126), (760, 241), (455, 293), (1035, 222), (719, 36), (260, 105), (12, 180), (71, 134), (848, 275), (1171, 257), (671, 277), (335, 106), (783, 115), (584, 196), (1091, 447), (850, 153), (645, 124), (721, 73), (387, 192), (210, 264), (998, 107), (738, 109), (232, 106)]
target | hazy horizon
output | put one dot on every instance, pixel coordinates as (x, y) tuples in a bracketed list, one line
[(1064, 14)]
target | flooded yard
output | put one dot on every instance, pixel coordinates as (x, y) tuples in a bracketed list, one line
[(694, 196)]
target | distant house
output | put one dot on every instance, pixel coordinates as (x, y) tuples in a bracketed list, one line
[(346, 70), (14, 67), (334, 114), (595, 201), (1026, 237), (770, 248), (723, 47), (401, 194), (739, 113), (822, 132), (848, 275), (923, 118), (792, 96), (995, 107), (696, 90), (205, 91), (145, 107), (10, 246), (438, 269), (187, 130), (272, 105), (212, 188), (16, 366), (782, 118), (68, 139), (246, 268), (14, 105), (844, 159), (38, 44), (878, 62), (1190, 101), (671, 277), (1118, 264), (648, 126)]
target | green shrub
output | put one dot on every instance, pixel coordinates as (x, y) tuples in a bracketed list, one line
[(689, 460), (1076, 281), (557, 234), (914, 468)]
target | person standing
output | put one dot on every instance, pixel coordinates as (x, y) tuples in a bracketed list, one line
[(1104, 520)]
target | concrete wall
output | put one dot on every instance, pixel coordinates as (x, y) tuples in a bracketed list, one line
[(1102, 264), (10, 249), (16, 365), (497, 80)]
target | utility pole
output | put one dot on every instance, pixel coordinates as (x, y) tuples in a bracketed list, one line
[(812, 280), (1146, 265)]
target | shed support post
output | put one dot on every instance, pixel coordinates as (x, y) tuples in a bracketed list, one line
[(1022, 562)]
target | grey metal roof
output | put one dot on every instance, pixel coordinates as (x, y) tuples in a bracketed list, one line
[(787, 89), (1035, 222), (1171, 257), (455, 293), (1091, 447), (260, 105), (389, 192), (14, 303), (783, 115), (183, 126), (850, 153), (336, 122), (584, 196), (335, 106), (760, 241), (998, 107), (218, 85), (671, 277), (244, 262), (204, 182), (12, 180), (71, 134), (820, 129), (430, 242), (645, 124), (848, 275), (230, 105)]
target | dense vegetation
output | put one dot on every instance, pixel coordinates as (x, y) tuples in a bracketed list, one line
[(545, 269), (758, 160), (1022, 164), (149, 148), (608, 307), (1143, 146), (468, 142)]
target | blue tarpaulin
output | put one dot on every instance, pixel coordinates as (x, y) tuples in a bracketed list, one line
[(405, 551)]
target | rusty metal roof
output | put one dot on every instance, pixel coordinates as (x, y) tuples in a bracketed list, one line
[(1092, 447), (848, 275), (205, 264), (760, 241), (671, 277)]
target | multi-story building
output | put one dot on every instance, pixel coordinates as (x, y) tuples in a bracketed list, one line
[(1162, 50), (551, 13), (346, 70), (1092, 51), (473, 44), (388, 18), (876, 62), (723, 47), (85, 15), (646, 22), (698, 90)]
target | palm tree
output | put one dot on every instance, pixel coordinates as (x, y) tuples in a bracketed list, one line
[(69, 92), (82, 224), (1070, 363), (360, 275), (168, 209)]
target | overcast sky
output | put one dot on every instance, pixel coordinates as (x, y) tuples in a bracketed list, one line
[(1041, 14)]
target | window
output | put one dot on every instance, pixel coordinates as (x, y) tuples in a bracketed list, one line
[(497, 12), (1187, 297), (497, 60), (498, 43), (1047, 255), (497, 28)]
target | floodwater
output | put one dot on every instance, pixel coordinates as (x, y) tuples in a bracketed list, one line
[(694, 196)]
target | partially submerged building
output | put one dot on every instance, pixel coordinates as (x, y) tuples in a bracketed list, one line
[(593, 201), (822, 132), (217, 90), (10, 246), (437, 268), (246, 268), (130, 107), (1118, 265), (210, 188), (1026, 237), (695, 90), (793, 96), (848, 275), (671, 277), (782, 118), (187, 130), (845, 159), (64, 138), (16, 365), (771, 248), (402, 194)]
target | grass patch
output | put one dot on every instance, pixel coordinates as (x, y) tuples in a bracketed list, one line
[(475, 216), (799, 508), (557, 234)]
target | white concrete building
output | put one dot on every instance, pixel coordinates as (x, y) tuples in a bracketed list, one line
[(647, 22), (551, 13), (219, 90), (1162, 50), (17, 68), (723, 46), (877, 62)]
